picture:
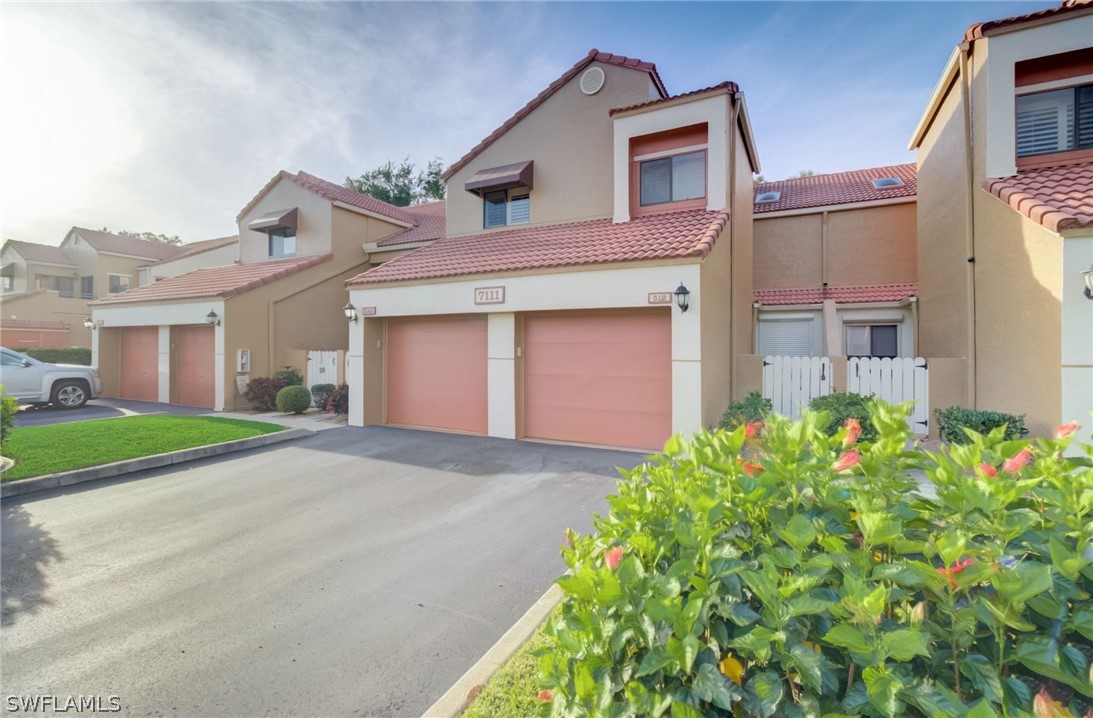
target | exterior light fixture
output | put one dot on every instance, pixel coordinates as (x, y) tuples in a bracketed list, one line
[(212, 318), (682, 294), (88, 324), (1088, 276), (350, 312)]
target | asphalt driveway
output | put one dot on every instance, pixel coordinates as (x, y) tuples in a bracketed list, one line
[(357, 572), (98, 409)]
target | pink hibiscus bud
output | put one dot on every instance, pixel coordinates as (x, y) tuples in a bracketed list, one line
[(853, 431), (569, 542), (612, 556), (753, 428), (545, 696), (988, 470), (1065, 430), (848, 460), (1018, 461)]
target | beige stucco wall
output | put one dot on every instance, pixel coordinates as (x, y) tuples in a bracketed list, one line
[(219, 257), (743, 258), (313, 231), (94, 263), (50, 306), (947, 387), (18, 269), (569, 137), (109, 360), (748, 372), (787, 251)]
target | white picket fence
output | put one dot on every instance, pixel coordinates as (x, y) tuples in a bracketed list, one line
[(791, 382), (322, 368)]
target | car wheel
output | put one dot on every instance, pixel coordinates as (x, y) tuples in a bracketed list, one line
[(69, 394)]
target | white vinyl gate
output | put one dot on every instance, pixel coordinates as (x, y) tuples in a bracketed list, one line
[(791, 382), (322, 368)]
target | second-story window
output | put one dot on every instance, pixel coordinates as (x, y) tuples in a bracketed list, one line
[(672, 179), (505, 207), (1055, 121), (118, 283), (282, 242)]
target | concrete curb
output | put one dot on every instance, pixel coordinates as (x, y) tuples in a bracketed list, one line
[(120, 468), (454, 702)]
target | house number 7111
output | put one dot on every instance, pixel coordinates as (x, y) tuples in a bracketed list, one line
[(489, 295)]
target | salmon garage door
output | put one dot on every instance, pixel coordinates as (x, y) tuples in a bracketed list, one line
[(599, 378), (436, 374), (195, 383), (140, 363)]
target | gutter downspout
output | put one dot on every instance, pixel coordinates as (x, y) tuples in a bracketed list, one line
[(734, 121), (969, 229)]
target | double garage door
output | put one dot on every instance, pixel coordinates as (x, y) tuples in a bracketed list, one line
[(192, 365), (591, 378)]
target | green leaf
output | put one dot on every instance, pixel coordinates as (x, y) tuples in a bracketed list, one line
[(898, 573), (982, 709), (798, 533), (1022, 583), (684, 622), (742, 614), (883, 690), (812, 668), (904, 644), (935, 700), (981, 672), (578, 586), (1083, 621), (585, 683), (807, 605), (1017, 694), (654, 660), (691, 647), (682, 710), (846, 636), (1045, 656), (661, 610), (755, 644), (609, 591), (712, 686), (764, 694)]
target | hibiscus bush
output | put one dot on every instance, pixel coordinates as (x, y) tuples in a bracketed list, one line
[(779, 571)]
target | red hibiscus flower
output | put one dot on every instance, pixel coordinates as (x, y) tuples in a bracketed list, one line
[(847, 461), (988, 470), (612, 556), (950, 571), (1066, 429), (853, 431), (1018, 461)]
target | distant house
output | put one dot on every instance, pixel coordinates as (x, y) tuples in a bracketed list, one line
[(1005, 215), (274, 298), (194, 255)]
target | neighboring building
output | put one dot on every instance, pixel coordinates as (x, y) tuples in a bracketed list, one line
[(198, 337), (1005, 215), (835, 270), (195, 255), (548, 309)]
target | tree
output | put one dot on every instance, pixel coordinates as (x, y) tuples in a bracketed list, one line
[(401, 184), (150, 236), (758, 178), (805, 173)]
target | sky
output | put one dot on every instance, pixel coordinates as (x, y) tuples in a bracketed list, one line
[(169, 117)]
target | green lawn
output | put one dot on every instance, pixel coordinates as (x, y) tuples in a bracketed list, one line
[(41, 450), (511, 692)]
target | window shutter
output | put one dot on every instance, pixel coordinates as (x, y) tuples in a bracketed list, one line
[(689, 176), (1085, 116), (785, 337), (494, 207), (656, 181), (1045, 122), (857, 340), (520, 210)]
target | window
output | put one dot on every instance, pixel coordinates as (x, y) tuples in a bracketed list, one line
[(282, 242), (9, 282), (119, 283), (768, 197), (673, 179), (872, 340), (885, 182), (87, 287), (786, 337), (1055, 121), (505, 207), (62, 285)]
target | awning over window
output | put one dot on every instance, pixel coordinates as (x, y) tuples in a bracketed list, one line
[(278, 219), (504, 177)]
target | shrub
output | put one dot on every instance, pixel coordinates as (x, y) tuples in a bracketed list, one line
[(293, 399), (72, 355), (320, 394), (812, 579), (8, 407), (339, 400), (289, 376), (261, 392), (951, 423), (753, 408), (842, 406)]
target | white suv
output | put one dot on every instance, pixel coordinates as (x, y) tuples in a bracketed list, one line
[(30, 381)]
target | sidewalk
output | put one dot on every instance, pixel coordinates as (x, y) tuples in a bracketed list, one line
[(312, 419)]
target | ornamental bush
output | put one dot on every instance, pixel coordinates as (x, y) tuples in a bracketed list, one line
[(842, 406), (320, 394), (261, 392), (71, 355), (293, 399), (752, 408), (339, 400), (289, 376), (952, 422), (8, 407), (797, 573)]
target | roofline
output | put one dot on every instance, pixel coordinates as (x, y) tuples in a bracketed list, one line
[(369, 213), (727, 87), (48, 264), (375, 248), (185, 255), (749, 136), (905, 199), (940, 92), (900, 303), (135, 256)]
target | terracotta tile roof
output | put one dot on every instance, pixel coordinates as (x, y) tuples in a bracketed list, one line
[(333, 193), (1056, 197), (671, 235), (33, 252), (40, 324), (981, 29), (429, 225), (837, 188), (729, 87), (592, 56), (841, 295), (214, 282), (132, 246), (205, 245)]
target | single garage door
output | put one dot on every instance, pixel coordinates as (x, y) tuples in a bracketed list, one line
[(140, 363), (599, 378), (436, 374), (195, 365)]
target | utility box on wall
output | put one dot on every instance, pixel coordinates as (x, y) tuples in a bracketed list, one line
[(242, 361)]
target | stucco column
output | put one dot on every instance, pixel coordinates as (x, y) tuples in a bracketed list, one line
[(164, 366), (1077, 332), (687, 360), (354, 371), (833, 346), (501, 375), (220, 372)]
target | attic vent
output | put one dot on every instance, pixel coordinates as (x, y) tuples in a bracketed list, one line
[(769, 197), (884, 182), (592, 80)]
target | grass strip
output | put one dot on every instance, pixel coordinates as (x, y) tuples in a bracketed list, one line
[(511, 692), (39, 450)]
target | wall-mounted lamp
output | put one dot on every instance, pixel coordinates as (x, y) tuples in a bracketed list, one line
[(1088, 276), (682, 294), (89, 323), (212, 318), (350, 312)]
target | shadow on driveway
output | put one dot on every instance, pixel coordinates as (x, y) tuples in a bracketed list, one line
[(28, 550)]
